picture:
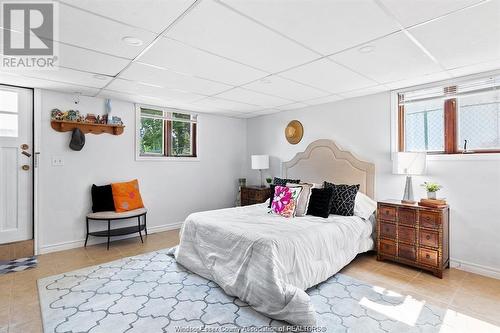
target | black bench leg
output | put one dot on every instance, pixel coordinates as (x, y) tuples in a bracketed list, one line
[(109, 232), (145, 226), (139, 226), (87, 237)]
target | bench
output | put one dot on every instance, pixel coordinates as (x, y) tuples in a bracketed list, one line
[(112, 216)]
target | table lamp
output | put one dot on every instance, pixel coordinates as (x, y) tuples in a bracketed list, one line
[(406, 163), (260, 162)]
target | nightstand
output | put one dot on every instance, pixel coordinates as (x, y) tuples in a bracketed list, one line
[(414, 235), (252, 195)]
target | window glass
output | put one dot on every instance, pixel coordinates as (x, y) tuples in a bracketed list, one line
[(479, 121), (181, 138), (8, 101), (8, 125), (424, 125), (152, 136)]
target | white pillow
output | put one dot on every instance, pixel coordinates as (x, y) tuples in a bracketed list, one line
[(364, 206)]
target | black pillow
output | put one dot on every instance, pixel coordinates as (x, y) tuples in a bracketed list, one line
[(343, 199), (320, 202), (284, 181), (271, 195), (102, 198)]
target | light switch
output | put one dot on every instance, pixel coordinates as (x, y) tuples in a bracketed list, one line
[(57, 161)]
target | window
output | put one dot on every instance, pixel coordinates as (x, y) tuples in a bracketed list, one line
[(8, 113), (451, 119), (163, 132)]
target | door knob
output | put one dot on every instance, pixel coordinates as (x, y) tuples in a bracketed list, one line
[(25, 167), (24, 146)]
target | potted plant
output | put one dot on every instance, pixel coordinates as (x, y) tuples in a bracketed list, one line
[(431, 189), (269, 180)]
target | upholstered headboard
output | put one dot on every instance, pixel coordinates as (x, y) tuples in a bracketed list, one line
[(323, 160)]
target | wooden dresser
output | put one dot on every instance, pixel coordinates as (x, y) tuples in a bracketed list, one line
[(252, 195), (413, 235)]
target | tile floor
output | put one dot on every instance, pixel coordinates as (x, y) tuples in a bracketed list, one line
[(473, 301)]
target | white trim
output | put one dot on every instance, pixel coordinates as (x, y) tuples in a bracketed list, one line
[(464, 157), (97, 240), (475, 268), (37, 129)]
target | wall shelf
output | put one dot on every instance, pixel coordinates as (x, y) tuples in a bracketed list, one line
[(66, 126)]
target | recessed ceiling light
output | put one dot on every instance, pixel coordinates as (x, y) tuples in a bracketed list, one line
[(366, 49), (132, 41), (100, 77)]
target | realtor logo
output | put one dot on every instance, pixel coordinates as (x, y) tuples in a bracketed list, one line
[(29, 31)]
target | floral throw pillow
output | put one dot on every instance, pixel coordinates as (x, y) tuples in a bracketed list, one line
[(285, 200)]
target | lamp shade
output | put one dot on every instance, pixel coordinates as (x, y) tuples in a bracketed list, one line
[(405, 163), (260, 162)]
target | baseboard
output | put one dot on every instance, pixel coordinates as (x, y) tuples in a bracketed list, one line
[(94, 240), (475, 268)]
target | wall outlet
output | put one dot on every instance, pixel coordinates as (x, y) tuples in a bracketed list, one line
[(57, 161)]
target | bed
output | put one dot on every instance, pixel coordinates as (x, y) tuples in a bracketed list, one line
[(269, 261)]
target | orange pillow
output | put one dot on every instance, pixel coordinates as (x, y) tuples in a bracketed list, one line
[(126, 196)]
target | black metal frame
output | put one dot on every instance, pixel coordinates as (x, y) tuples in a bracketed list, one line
[(118, 231)]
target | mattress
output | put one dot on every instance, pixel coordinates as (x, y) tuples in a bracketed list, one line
[(269, 261)]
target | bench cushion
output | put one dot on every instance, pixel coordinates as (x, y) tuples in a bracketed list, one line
[(117, 215)]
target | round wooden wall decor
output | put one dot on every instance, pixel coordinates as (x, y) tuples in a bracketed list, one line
[(294, 132)]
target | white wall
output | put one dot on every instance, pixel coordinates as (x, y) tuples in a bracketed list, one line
[(362, 125), (170, 190)]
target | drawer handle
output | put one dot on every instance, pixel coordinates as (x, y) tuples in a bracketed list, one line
[(428, 237), (427, 256)]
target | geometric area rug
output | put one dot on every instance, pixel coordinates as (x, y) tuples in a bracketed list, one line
[(152, 293)]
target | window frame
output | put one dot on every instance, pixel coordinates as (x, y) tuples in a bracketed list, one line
[(451, 119), (167, 144)]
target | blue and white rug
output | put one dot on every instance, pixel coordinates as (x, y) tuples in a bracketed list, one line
[(152, 293), (17, 265)]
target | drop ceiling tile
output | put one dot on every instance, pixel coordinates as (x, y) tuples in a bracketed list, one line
[(291, 106), (97, 33), (69, 76), (32, 82), (252, 97), (90, 61), (323, 100), (365, 91), (463, 38), (325, 26), (259, 113), (277, 86), (329, 76), (174, 55), (172, 80), (212, 26), (393, 58), (152, 15), (213, 103), (411, 12), (133, 98), (476, 68), (135, 88), (430, 78)]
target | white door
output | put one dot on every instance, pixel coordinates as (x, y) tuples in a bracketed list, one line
[(16, 167)]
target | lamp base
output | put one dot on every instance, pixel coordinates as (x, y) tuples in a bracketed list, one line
[(408, 202), (408, 195)]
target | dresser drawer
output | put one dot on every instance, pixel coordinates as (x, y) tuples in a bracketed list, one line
[(388, 247), (407, 216), (407, 234), (387, 230), (407, 252), (387, 213), (429, 238), (429, 219), (428, 257)]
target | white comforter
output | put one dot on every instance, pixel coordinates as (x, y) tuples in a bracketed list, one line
[(269, 261)]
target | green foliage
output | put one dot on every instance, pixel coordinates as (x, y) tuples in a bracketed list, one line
[(269, 180), (151, 136), (181, 138), (431, 187)]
